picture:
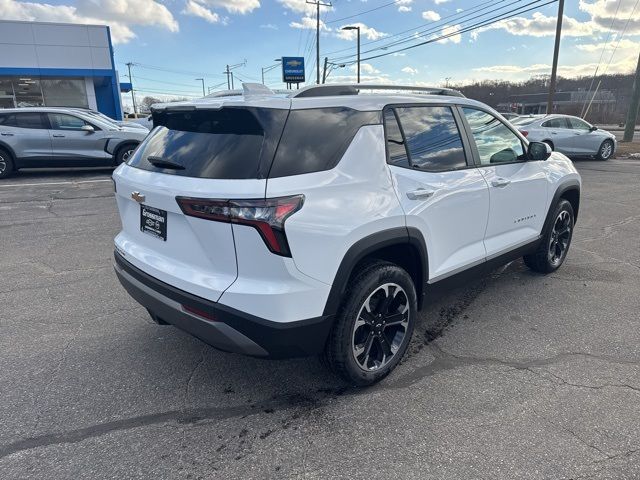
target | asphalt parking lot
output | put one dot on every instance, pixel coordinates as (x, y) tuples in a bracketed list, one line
[(517, 375)]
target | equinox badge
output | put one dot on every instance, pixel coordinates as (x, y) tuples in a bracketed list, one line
[(138, 197)]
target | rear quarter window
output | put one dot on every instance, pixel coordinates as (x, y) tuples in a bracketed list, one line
[(315, 139)]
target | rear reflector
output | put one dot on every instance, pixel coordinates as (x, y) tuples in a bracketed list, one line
[(524, 132), (267, 216), (199, 313)]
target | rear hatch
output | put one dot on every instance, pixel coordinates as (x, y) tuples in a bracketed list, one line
[(219, 150)]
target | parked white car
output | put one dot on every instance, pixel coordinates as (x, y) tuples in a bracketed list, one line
[(569, 135), (324, 221)]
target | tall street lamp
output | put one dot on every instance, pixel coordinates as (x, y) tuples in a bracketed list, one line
[(354, 27), (269, 68), (202, 80)]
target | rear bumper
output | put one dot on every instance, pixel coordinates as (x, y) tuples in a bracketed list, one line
[(233, 330)]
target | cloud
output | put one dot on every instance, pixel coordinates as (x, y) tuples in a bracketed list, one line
[(431, 15), (603, 14), (541, 25), (365, 68), (597, 47), (451, 36), (120, 15), (410, 70), (439, 2), (404, 5), (368, 32), (241, 7), (196, 10), (269, 26), (627, 65), (308, 23), (301, 6)]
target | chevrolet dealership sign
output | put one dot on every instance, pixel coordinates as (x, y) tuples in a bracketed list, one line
[(293, 69)]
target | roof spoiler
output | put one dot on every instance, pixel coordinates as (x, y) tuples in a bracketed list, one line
[(334, 89)]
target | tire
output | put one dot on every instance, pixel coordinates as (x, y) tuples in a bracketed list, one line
[(124, 152), (6, 163), (605, 152), (555, 243), (550, 143), (364, 348)]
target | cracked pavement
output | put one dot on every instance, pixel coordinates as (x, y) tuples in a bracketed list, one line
[(516, 375)]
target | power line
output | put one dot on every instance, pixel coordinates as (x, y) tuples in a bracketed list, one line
[(437, 28), (469, 28), (604, 47), (624, 30), (365, 11), (422, 25)]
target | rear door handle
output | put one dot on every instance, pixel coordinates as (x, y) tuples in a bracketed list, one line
[(6, 134), (500, 182), (420, 193), (57, 135)]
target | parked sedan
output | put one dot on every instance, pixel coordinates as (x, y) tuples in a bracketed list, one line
[(569, 135), (62, 137), (120, 123)]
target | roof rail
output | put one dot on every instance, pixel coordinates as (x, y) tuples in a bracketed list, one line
[(333, 89)]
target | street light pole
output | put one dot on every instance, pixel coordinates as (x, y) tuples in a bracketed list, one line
[(556, 50), (357, 28), (133, 96), (202, 80)]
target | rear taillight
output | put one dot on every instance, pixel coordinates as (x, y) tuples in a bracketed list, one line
[(267, 216), (524, 132)]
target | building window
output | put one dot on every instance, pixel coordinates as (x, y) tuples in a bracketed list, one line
[(46, 91)]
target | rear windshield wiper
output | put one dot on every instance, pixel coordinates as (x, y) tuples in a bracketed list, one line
[(164, 163)]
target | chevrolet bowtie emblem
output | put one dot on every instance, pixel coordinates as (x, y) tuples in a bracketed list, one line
[(138, 197)]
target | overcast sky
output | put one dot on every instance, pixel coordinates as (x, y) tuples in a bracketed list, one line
[(197, 38)]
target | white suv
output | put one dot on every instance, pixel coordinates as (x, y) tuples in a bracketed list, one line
[(322, 222)]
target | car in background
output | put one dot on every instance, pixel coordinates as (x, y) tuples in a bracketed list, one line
[(105, 118), (45, 137), (567, 134), (509, 115)]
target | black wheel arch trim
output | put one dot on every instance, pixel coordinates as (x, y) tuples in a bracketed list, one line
[(560, 191), (5, 146), (369, 245)]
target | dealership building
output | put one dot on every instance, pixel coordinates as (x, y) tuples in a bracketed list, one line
[(58, 65)]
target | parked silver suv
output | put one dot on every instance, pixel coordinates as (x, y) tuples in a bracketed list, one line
[(62, 137)]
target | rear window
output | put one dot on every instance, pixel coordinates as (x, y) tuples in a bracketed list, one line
[(230, 143), (315, 139)]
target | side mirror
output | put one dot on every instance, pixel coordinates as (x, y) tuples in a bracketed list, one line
[(87, 128), (539, 151), (593, 128)]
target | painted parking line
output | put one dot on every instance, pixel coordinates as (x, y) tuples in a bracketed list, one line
[(71, 182)]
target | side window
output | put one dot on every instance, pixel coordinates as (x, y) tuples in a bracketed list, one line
[(432, 137), (556, 123), (495, 141), (577, 124), (29, 120), (395, 141), (7, 119), (62, 121)]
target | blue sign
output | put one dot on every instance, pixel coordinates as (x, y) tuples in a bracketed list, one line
[(293, 69)]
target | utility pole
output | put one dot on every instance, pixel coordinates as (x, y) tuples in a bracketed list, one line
[(318, 3), (556, 50), (227, 71), (632, 115), (202, 80), (133, 97), (324, 70)]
